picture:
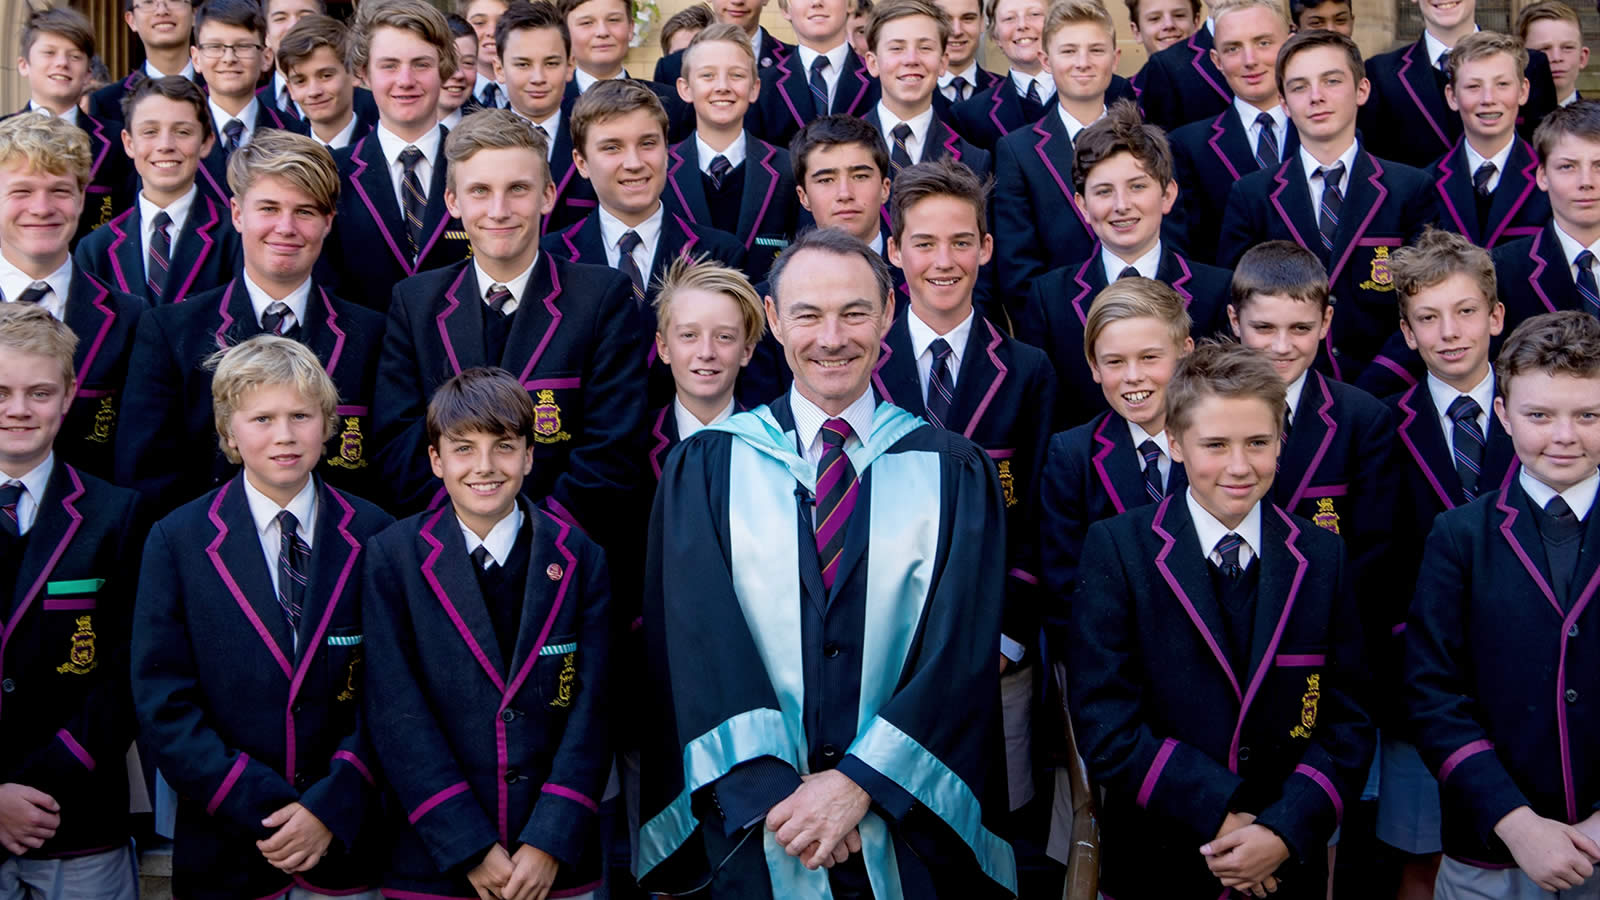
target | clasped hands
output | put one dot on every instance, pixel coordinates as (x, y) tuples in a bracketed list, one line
[(1244, 855), (817, 823), (525, 875)]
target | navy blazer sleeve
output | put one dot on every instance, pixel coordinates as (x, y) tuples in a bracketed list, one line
[(146, 454), (402, 402), (1240, 228), (1023, 594)]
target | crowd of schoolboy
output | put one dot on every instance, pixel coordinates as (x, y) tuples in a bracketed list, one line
[(1286, 360)]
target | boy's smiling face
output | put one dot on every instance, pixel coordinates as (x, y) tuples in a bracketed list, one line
[(1229, 452), (482, 473), (34, 397), (278, 433), (1554, 424), (1450, 324), (1133, 361)]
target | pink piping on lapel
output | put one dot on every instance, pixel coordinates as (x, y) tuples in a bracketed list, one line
[(561, 188), (212, 550), (995, 340), (450, 610), (672, 179), (783, 91), (383, 228), (1405, 66), (766, 201), (951, 142), (1322, 449), (1168, 542), (451, 303), (203, 232), (1083, 286), (69, 503), (1099, 460), (566, 238), (994, 110), (1218, 126), (1399, 370), (1179, 282), (1260, 675), (1509, 518), (1282, 180), (662, 441), (121, 237), (1538, 269), (105, 146), (110, 318), (1200, 53), (1066, 192), (549, 301), (227, 318), (866, 82), (1375, 179), (885, 351), (333, 326), (1404, 430)]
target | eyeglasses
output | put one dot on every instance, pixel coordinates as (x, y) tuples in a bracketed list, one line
[(148, 5), (240, 51)]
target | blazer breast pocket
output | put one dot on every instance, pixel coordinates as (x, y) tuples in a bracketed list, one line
[(1370, 261), (556, 673), (557, 406), (344, 648)]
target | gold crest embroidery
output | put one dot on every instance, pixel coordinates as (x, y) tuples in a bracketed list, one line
[(1008, 482), (80, 658), (1326, 517), (1308, 708), (350, 451), (351, 676), (1381, 278), (106, 211), (569, 675), (105, 421), (547, 419)]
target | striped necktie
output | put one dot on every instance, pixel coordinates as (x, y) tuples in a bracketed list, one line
[(1332, 201), (940, 389), (1152, 470), (1587, 290), (1467, 441), (160, 256), (416, 203), (1228, 552), (293, 555), (837, 489), (819, 85), (1267, 143), (10, 517), (630, 266)]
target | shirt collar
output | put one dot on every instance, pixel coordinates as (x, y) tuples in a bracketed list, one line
[(35, 480), (296, 301), (247, 115), (1072, 124), (1046, 83), (1474, 159), (612, 228), (1248, 113), (1569, 99), (836, 58), (877, 244), (1209, 530), (70, 116), (919, 123), (1139, 435), (177, 211), (922, 334), (552, 130), (452, 119), (1571, 247), (586, 80), (479, 83), (13, 281), (688, 424), (1348, 157), (1580, 497), (809, 418), (1146, 264), (1443, 394), (347, 133), (393, 145), (1293, 392), (502, 537), (303, 505), (153, 72), (971, 75), (1435, 47), (517, 286), (734, 154)]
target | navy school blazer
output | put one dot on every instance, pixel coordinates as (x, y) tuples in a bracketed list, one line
[(768, 206), (1518, 208), (680, 115), (997, 110), (65, 708), (1058, 305), (1385, 207), (480, 749), (1534, 277), (785, 104), (104, 321), (1182, 84), (1033, 197), (206, 253), (1501, 675), (1208, 157), (214, 166), (1177, 737), (243, 717), (669, 67), (986, 80), (168, 449)]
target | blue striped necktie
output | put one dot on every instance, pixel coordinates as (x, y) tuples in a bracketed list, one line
[(941, 387), (1466, 443), (293, 554)]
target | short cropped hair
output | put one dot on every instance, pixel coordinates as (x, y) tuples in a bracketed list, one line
[(1301, 41), (1077, 12), (940, 178), (1297, 8), (1223, 369), (607, 100), (416, 16), (727, 34), (568, 6), (484, 399), (826, 132), (1484, 44), (1283, 269), (687, 274), (493, 129), (297, 159), (1121, 130), (175, 88), (460, 28), (890, 11), (463, 6), (1558, 343), (267, 360), (244, 14), (1133, 9), (1223, 7), (528, 17), (30, 328), (696, 18), (1136, 298), (47, 144), (306, 36), (835, 241), (1435, 256), (1580, 120), (1546, 11), (63, 21)]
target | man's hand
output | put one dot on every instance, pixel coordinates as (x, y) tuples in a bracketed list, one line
[(28, 818), (1245, 858), (301, 842), (489, 877), (1005, 663), (841, 851), (818, 816), (1555, 855), (532, 873)]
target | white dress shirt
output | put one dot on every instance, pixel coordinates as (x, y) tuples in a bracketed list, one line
[(344, 137), (923, 335), (177, 211), (452, 119), (264, 512), (584, 80), (809, 419), (734, 154), (1146, 264), (501, 98), (1293, 392), (689, 423), (1443, 395), (153, 72), (1209, 531), (612, 229), (836, 58), (1570, 247), (33, 485), (517, 286), (1314, 181), (279, 85), (919, 123), (502, 537), (221, 117), (971, 75), (1252, 129), (552, 130), (1475, 159), (393, 145), (1436, 47), (1580, 497), (1072, 124), (70, 116), (1164, 464), (296, 300), (13, 281), (1045, 81)]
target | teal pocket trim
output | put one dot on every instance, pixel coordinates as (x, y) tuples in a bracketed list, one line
[(559, 649), (80, 586), (343, 640)]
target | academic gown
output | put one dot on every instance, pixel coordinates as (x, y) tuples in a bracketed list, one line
[(104, 321), (919, 733), (1500, 673), (1058, 305), (167, 447), (768, 205), (997, 110), (244, 717), (1208, 157), (206, 253), (64, 631), (1177, 733), (1517, 208), (785, 104), (482, 749), (1182, 84)]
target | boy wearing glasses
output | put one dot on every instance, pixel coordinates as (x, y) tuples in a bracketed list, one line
[(230, 51), (163, 27)]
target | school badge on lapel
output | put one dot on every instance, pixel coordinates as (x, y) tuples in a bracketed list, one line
[(80, 659), (1381, 278), (547, 419), (1008, 482), (105, 421), (350, 450), (1308, 708), (1326, 517), (568, 677)]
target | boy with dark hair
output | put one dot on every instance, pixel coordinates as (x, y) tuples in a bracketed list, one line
[(282, 15), (455, 92), (285, 192), (601, 31), (1123, 187), (1158, 24), (69, 561), (1486, 183), (1182, 84), (247, 647), (822, 76), (1408, 87), (535, 53), (1552, 28), (176, 239), (231, 52), (164, 29), (680, 28), (487, 662), (1498, 646), (334, 110), (1332, 197), (1236, 774), (723, 175), (841, 173), (746, 15)]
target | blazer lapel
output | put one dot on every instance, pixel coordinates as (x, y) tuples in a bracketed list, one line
[(1200, 44), (332, 565), (1518, 530), (585, 244), (436, 217), (1116, 466), (895, 377), (663, 436), (852, 87), (1182, 565), (1423, 437), (1055, 153), (1005, 107), (91, 318), (1230, 142), (235, 552), (683, 176), (52, 532), (448, 572), (760, 186), (1283, 570), (1174, 270), (534, 325), (677, 239), (1454, 188), (126, 254), (1517, 184), (194, 245), (1292, 201), (236, 318), (370, 179), (322, 331), (1090, 277), (460, 322), (99, 142), (982, 374), (1551, 279), (1314, 429), (533, 632), (1419, 80)]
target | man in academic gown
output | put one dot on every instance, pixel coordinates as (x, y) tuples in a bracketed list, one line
[(806, 724)]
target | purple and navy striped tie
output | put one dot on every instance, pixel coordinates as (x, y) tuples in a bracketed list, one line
[(837, 490)]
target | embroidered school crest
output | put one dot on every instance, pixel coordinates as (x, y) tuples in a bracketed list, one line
[(352, 677), (1326, 517), (106, 211), (1381, 279), (80, 658), (1308, 708), (1008, 482), (105, 421), (350, 450), (567, 682), (547, 419)]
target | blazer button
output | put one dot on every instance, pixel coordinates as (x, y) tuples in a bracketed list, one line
[(829, 751), (507, 715), (511, 776), (1573, 631), (297, 708), (8, 685), (830, 650), (1572, 696), (1244, 754)]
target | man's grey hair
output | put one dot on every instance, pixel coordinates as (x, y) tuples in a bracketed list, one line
[(838, 242)]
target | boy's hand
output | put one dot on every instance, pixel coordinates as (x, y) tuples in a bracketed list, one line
[(1235, 821), (301, 842), (489, 877), (28, 818), (1246, 858), (532, 873), (1555, 855), (1591, 827)]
